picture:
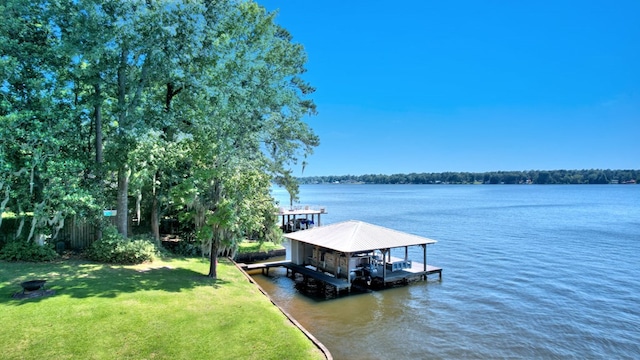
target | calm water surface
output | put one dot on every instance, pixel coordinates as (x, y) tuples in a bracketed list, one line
[(529, 272)]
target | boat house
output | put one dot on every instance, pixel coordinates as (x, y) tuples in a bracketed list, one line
[(301, 218), (353, 252)]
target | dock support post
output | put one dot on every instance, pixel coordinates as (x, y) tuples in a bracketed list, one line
[(384, 266), (348, 256)]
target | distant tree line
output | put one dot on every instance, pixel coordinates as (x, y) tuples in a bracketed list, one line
[(593, 176)]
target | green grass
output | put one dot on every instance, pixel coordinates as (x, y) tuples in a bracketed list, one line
[(252, 246), (164, 310), (12, 215)]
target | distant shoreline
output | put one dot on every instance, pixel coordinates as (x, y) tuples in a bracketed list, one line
[(446, 183), (546, 177)]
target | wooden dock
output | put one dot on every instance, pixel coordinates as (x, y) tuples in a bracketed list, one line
[(293, 269), (264, 267), (339, 284), (415, 273), (312, 281)]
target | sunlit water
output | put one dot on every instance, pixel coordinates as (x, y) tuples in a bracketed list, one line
[(529, 272)]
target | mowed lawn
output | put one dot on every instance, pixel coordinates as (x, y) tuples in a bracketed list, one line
[(164, 310)]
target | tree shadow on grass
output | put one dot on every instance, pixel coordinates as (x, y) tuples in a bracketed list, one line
[(80, 279)]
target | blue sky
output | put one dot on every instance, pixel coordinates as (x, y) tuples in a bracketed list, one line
[(434, 86)]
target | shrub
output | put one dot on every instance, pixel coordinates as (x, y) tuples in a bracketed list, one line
[(114, 248), (27, 251), (188, 249)]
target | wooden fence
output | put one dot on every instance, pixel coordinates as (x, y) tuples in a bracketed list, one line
[(77, 233)]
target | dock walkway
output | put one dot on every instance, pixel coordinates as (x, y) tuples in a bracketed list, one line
[(339, 284), (264, 267), (416, 270)]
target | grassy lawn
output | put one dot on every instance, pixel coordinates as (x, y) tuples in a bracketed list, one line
[(164, 310), (254, 246)]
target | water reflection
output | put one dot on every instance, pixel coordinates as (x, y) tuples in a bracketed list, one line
[(356, 326), (529, 272)]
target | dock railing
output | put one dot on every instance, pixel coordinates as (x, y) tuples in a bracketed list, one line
[(282, 210)]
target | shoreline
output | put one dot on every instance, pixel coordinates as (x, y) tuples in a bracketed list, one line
[(293, 321), (254, 256)]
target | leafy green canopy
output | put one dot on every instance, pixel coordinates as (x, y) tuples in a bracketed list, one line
[(191, 105)]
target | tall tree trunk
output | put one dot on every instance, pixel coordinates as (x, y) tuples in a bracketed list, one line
[(155, 213), (155, 220), (213, 267), (215, 247), (123, 201), (155, 206), (99, 147), (21, 224), (123, 170), (3, 203), (98, 118), (138, 206)]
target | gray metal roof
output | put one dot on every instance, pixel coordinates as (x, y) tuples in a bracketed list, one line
[(357, 236)]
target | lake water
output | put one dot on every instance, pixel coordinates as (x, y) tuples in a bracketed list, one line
[(530, 271)]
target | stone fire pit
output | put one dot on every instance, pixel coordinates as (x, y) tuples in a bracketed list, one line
[(32, 289), (33, 285)]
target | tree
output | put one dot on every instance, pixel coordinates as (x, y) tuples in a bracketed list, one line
[(254, 125), (165, 94), (290, 184), (39, 152)]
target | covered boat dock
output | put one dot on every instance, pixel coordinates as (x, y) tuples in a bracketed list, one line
[(300, 218), (356, 252)]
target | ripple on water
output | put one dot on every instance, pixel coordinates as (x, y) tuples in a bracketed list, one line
[(529, 272)]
